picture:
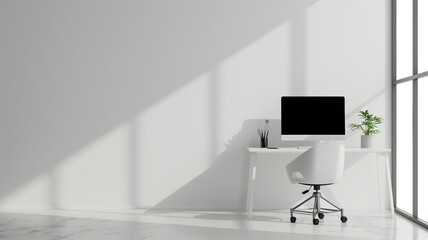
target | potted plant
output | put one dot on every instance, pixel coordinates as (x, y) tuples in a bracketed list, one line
[(369, 126)]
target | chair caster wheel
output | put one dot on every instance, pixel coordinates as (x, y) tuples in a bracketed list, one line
[(321, 215), (293, 219), (315, 221), (343, 219)]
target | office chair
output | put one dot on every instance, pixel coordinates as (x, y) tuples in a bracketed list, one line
[(319, 166)]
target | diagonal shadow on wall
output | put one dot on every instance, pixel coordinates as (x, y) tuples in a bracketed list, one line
[(73, 71)]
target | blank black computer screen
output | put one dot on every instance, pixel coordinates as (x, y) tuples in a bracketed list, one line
[(313, 115)]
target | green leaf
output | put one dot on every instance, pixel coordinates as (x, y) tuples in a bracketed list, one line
[(368, 123)]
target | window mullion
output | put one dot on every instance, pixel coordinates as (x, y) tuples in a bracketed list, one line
[(415, 109)]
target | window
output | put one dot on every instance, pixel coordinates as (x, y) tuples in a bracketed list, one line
[(410, 92), (404, 147), (404, 38), (423, 149)]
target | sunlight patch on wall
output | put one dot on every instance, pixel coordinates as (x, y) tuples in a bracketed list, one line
[(33, 194), (176, 140), (97, 176)]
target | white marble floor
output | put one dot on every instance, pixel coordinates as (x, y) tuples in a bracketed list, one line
[(189, 225)]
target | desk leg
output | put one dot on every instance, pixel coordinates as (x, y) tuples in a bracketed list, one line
[(251, 178), (380, 186), (388, 179)]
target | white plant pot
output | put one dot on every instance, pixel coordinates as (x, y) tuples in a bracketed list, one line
[(368, 141)]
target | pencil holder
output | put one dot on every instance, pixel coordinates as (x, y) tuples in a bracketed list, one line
[(264, 134), (264, 142)]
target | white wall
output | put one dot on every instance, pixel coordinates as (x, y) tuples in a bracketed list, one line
[(122, 104)]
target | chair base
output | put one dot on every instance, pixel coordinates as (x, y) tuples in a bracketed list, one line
[(317, 210)]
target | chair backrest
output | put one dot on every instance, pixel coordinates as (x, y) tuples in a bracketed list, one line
[(321, 164)]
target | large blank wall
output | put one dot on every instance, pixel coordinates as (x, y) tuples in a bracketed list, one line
[(151, 104)]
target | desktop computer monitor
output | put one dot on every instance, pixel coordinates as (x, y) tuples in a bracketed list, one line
[(313, 118)]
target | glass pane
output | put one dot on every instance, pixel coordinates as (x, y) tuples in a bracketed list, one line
[(404, 38), (422, 36), (422, 148), (404, 146)]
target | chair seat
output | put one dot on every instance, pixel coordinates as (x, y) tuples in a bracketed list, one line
[(316, 184)]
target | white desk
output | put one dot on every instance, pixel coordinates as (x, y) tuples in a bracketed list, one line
[(257, 153)]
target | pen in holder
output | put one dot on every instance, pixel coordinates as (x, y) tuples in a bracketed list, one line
[(264, 138)]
